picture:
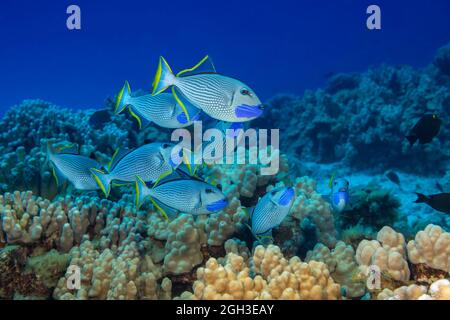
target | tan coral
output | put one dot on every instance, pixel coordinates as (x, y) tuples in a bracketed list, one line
[(438, 290), (342, 265), (387, 252), (116, 275), (274, 278), (432, 247)]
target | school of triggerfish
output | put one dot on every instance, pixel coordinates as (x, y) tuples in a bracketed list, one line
[(164, 173)]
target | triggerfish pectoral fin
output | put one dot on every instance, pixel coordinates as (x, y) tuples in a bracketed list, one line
[(164, 77), (246, 111), (122, 98), (103, 180)]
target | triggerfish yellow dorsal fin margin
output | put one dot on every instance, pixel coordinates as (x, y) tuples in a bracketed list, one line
[(122, 97), (206, 64), (330, 183), (68, 148), (162, 73)]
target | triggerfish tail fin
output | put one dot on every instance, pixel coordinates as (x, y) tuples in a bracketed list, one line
[(123, 98), (203, 66), (421, 198), (164, 77), (412, 140), (142, 191), (103, 179)]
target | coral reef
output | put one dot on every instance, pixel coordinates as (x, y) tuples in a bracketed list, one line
[(360, 120), (342, 265), (388, 252), (25, 128), (432, 247), (267, 275), (370, 206)]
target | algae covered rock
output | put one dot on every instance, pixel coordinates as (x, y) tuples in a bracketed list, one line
[(370, 206)]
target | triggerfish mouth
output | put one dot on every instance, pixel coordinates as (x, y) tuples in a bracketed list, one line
[(181, 195), (221, 97), (271, 210)]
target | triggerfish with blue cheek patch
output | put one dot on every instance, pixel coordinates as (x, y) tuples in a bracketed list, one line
[(162, 109), (339, 196), (151, 162), (181, 195), (271, 210), (67, 164), (222, 98)]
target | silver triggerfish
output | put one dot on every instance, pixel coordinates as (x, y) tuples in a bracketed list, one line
[(339, 196), (222, 98), (271, 210), (151, 162), (162, 109), (67, 164), (191, 196)]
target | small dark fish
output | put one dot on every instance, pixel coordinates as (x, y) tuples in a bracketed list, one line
[(439, 202), (391, 175), (439, 186), (99, 118), (425, 129)]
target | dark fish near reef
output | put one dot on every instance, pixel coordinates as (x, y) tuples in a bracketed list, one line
[(151, 162), (162, 109), (67, 164), (99, 118), (222, 98), (191, 196), (271, 210), (392, 176), (439, 202), (425, 129)]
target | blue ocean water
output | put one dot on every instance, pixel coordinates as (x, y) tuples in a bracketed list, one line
[(87, 173), (283, 46)]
